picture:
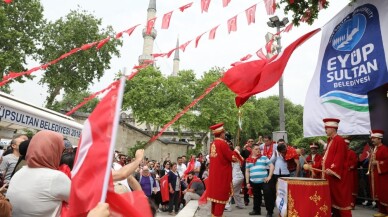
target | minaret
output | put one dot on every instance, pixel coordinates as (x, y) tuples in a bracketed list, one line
[(175, 67), (148, 45)]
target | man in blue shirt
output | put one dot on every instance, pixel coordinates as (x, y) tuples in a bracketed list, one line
[(257, 177)]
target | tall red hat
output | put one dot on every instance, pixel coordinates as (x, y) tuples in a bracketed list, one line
[(331, 122), (314, 145), (377, 134), (218, 128)]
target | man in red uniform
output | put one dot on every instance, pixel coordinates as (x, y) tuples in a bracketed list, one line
[(315, 160), (334, 167), (378, 169), (352, 162), (219, 187)]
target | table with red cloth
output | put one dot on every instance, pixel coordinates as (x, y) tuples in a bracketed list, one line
[(306, 197)]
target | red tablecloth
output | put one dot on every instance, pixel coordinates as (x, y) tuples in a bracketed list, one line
[(308, 197)]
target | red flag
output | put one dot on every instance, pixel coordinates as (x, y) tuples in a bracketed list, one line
[(166, 20), (365, 153), (88, 46), (155, 55), (88, 175), (170, 52), (288, 27), (253, 77), (268, 46), (102, 42), (205, 5), (247, 57), (183, 46), (184, 7), (261, 55), (130, 30), (270, 6), (7, 1), (225, 3), (212, 33), (197, 39), (150, 25), (236, 63), (251, 13), (203, 199), (164, 188), (232, 24), (191, 167)]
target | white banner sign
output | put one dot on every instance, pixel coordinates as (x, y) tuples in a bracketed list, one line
[(15, 116), (352, 61), (281, 197)]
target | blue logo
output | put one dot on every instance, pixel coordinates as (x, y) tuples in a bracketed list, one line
[(354, 60), (350, 33)]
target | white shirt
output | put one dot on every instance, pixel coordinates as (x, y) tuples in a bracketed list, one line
[(38, 192), (116, 167), (181, 168)]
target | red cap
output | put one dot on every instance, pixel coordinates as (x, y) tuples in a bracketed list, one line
[(331, 122), (314, 145), (377, 134), (218, 128)]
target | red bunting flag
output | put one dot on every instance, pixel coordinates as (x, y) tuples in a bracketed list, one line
[(170, 52), (212, 33), (183, 46), (270, 6), (8, 1), (150, 25), (102, 42), (197, 39), (236, 63), (155, 55), (288, 27), (268, 46), (260, 54), (184, 7), (205, 5), (225, 3), (251, 13), (130, 30), (232, 24), (88, 46), (254, 77), (166, 20), (247, 57)]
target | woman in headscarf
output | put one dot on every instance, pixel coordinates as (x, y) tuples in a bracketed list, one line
[(39, 188)]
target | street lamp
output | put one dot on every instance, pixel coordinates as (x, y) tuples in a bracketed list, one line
[(276, 22)]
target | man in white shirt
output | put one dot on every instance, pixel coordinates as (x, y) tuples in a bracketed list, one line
[(9, 161), (181, 167)]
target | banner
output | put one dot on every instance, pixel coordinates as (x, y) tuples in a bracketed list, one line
[(351, 62), (281, 197)]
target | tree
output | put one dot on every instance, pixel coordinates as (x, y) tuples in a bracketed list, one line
[(304, 10), (70, 100), (21, 23), (76, 72)]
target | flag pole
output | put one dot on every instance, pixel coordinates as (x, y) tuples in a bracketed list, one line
[(114, 136)]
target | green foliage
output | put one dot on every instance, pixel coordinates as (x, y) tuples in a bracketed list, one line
[(70, 100), (139, 145), (20, 32), (77, 72), (29, 133)]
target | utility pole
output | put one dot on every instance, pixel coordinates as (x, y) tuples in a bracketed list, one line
[(275, 22)]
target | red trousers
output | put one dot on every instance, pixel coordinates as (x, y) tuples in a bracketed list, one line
[(217, 209)]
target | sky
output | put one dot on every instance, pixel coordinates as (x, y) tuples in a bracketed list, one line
[(221, 52)]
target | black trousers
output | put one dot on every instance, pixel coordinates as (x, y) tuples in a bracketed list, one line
[(174, 201), (257, 197)]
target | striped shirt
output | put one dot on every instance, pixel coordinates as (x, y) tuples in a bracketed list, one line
[(258, 170)]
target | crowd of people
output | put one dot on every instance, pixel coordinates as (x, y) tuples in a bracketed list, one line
[(35, 174)]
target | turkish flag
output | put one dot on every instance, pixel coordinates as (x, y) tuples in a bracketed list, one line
[(251, 13), (88, 46), (268, 46), (261, 55), (288, 27), (212, 33), (190, 168), (164, 188), (203, 199), (270, 6), (184, 7), (7, 1), (205, 5), (247, 57), (166, 20), (150, 25), (170, 52), (197, 39), (130, 30), (88, 174), (232, 24), (102, 42), (253, 77), (225, 3), (183, 46)]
